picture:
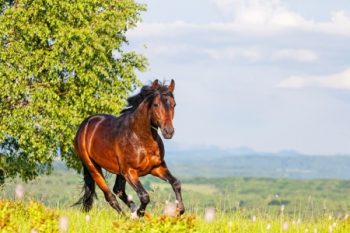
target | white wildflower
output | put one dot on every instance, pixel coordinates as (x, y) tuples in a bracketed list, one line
[(209, 214), (170, 209), (268, 227), (330, 229), (19, 192), (134, 215), (63, 225), (282, 208), (254, 218)]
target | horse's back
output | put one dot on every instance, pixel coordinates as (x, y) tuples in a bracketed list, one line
[(96, 138), (86, 122)]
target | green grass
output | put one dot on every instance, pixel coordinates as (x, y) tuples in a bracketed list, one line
[(17, 216), (301, 197), (307, 205)]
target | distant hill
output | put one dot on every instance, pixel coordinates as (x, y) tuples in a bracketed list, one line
[(244, 161)]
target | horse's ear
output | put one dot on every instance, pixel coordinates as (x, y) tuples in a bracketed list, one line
[(171, 87), (155, 84)]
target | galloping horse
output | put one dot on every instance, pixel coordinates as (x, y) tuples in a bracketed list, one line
[(129, 146)]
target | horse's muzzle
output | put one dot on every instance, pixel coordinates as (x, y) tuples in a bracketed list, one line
[(168, 132)]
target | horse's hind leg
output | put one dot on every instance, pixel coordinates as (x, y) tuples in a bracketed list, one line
[(101, 182), (96, 174), (119, 190)]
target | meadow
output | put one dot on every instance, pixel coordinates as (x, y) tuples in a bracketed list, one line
[(235, 204)]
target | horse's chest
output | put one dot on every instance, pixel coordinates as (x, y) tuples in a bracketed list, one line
[(155, 159), (148, 159), (154, 156)]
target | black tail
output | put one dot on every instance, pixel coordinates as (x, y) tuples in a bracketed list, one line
[(89, 192)]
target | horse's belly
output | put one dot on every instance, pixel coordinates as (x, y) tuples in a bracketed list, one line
[(105, 156)]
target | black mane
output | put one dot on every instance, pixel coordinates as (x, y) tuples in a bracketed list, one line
[(147, 92)]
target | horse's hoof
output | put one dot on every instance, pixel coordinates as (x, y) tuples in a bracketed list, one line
[(140, 213), (180, 211)]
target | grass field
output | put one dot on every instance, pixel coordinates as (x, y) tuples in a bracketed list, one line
[(16, 216), (213, 205)]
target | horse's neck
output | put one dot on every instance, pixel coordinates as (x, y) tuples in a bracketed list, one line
[(141, 120)]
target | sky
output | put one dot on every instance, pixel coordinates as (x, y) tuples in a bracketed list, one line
[(267, 74)]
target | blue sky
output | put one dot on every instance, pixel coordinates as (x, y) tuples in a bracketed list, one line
[(267, 74)]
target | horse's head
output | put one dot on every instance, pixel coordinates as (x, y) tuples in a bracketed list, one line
[(162, 108)]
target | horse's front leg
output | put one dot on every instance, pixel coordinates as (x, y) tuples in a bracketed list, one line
[(163, 173), (134, 181), (119, 190)]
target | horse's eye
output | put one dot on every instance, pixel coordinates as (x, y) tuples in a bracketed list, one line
[(156, 105)]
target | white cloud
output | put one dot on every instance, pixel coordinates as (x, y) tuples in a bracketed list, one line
[(228, 53), (258, 17), (301, 55), (260, 12), (339, 25), (226, 6), (170, 49), (274, 16), (293, 82), (339, 80), (231, 53), (185, 50), (170, 29)]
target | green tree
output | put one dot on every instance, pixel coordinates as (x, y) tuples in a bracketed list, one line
[(57, 68)]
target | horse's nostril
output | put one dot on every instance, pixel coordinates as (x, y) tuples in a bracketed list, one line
[(170, 131)]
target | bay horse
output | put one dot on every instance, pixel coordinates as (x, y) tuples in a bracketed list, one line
[(128, 146)]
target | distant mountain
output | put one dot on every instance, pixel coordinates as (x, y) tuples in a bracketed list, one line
[(173, 148), (243, 150), (289, 153), (244, 161)]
